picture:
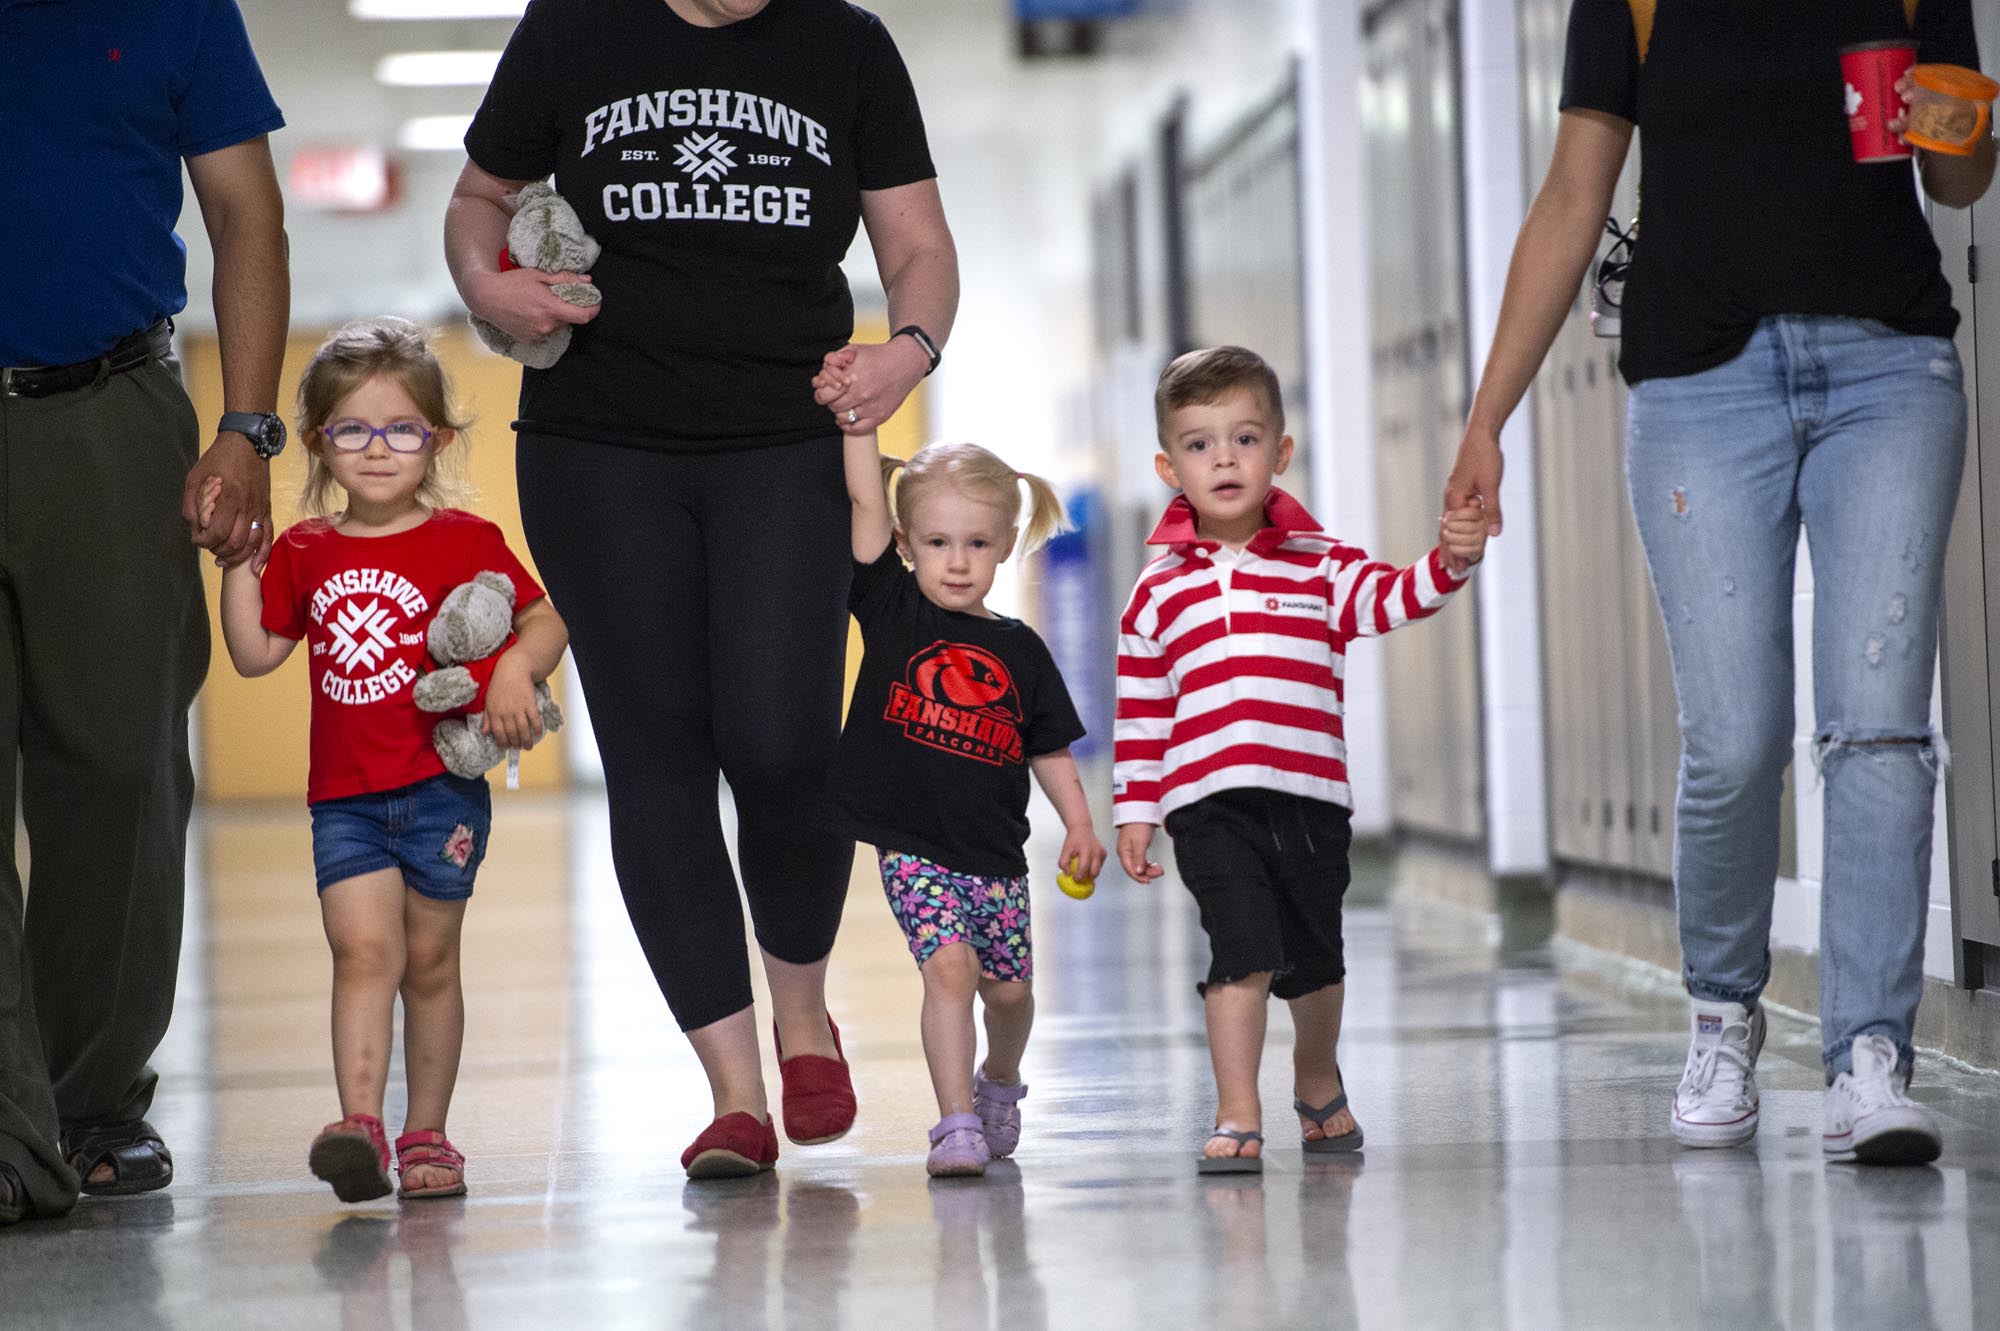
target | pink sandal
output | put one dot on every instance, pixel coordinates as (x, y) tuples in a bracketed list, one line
[(429, 1150), (353, 1155)]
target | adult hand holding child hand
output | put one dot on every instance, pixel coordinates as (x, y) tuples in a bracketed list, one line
[(1462, 537), (868, 381)]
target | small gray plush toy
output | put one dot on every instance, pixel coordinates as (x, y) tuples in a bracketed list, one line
[(471, 624), (545, 234)]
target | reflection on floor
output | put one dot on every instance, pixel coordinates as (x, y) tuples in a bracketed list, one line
[(1517, 1172)]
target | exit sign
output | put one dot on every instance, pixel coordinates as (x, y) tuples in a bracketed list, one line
[(342, 179)]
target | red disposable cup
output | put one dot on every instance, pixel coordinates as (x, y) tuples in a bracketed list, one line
[(1870, 71)]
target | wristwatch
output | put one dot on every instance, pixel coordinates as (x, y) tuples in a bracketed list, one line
[(264, 429), (923, 340)]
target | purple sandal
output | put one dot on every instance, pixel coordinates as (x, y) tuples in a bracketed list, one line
[(998, 1105), (958, 1147)]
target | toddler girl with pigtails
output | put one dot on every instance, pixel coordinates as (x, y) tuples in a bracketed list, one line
[(954, 706)]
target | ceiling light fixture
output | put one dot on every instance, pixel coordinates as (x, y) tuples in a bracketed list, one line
[(437, 69), (433, 133), (436, 9)]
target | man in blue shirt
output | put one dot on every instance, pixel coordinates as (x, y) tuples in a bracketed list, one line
[(103, 631)]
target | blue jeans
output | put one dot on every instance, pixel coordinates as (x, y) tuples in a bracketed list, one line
[(1858, 432)]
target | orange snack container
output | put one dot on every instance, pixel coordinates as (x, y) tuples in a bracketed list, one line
[(1955, 121)]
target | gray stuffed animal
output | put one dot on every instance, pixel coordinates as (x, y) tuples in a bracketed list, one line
[(545, 234), (471, 624)]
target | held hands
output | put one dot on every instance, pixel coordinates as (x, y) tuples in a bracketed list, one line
[(869, 380), (513, 717), (226, 502), (1462, 537), (520, 304), (1135, 843), (1475, 474)]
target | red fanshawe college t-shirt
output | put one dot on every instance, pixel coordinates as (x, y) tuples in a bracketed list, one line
[(362, 604)]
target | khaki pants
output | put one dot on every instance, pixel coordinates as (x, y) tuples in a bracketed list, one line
[(103, 644)]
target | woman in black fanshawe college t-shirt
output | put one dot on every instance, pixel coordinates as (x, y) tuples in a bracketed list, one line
[(1787, 339), (681, 486)]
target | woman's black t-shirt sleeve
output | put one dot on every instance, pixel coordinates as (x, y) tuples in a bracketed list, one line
[(1601, 59), (890, 146), (1945, 34), (515, 131)]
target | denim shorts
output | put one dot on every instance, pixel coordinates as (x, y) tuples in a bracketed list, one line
[(434, 831)]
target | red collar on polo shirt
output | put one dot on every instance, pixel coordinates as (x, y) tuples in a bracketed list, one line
[(1283, 516)]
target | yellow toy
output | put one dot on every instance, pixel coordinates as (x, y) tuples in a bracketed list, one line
[(1076, 887)]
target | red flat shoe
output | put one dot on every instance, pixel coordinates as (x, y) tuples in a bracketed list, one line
[(734, 1146), (819, 1094)]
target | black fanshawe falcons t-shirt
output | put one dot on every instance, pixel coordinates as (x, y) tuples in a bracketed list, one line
[(1751, 202), (721, 169), (947, 711)]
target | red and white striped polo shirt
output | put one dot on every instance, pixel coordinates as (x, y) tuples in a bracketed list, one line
[(1232, 665)]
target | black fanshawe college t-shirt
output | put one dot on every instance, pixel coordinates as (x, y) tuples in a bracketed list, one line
[(947, 711), (721, 169), (1751, 202)]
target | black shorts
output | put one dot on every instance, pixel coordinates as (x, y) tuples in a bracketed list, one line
[(1268, 871)]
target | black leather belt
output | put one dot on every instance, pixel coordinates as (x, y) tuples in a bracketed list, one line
[(47, 380)]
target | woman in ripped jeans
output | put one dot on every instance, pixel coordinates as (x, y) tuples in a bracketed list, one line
[(1787, 339)]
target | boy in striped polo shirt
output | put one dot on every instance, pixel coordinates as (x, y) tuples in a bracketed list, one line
[(1230, 676)]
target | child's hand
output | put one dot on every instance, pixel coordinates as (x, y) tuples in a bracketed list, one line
[(211, 490), (833, 378), (1462, 537), (513, 717), (1135, 843), (1082, 846)]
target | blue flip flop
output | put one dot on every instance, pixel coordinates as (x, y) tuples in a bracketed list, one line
[(1347, 1141), (1232, 1164)]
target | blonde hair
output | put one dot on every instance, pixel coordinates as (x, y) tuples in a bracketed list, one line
[(977, 474), (351, 356)]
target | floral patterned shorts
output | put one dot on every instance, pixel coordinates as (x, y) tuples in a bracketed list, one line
[(936, 906)]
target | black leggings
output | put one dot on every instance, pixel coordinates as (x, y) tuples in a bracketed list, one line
[(706, 597)]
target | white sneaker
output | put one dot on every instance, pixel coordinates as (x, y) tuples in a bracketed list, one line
[(1716, 1102), (1870, 1119)]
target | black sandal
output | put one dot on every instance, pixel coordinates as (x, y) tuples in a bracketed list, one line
[(13, 1195), (139, 1158)]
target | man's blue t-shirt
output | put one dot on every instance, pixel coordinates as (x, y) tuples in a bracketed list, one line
[(99, 102)]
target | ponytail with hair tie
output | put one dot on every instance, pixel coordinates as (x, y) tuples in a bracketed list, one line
[(977, 471)]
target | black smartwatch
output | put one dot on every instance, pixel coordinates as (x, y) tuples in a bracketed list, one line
[(264, 429), (923, 340)]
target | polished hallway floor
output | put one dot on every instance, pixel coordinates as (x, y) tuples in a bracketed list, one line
[(1517, 1172)]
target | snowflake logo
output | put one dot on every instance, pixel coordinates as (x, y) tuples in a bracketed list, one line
[(1853, 99), (706, 156), (362, 636)]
